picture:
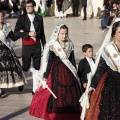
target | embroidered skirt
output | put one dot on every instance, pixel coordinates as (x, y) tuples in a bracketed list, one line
[(10, 68), (105, 101), (64, 85)]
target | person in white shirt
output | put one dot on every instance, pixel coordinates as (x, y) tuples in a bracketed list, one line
[(86, 65), (33, 36)]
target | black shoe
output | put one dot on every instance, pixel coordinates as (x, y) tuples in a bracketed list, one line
[(84, 19), (33, 93), (20, 88), (3, 95)]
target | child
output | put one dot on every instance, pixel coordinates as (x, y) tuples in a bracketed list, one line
[(86, 65), (103, 20)]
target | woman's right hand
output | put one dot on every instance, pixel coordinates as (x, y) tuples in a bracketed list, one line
[(44, 84), (44, 79)]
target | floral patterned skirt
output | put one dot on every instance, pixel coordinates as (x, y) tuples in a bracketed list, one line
[(10, 68)]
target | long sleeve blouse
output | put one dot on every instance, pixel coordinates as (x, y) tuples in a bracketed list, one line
[(53, 57)]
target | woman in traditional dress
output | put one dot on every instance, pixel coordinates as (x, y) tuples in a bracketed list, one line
[(105, 100), (58, 69), (10, 69)]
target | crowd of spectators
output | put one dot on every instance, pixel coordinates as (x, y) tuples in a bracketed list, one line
[(12, 7), (109, 13)]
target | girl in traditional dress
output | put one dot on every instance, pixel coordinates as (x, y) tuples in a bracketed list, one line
[(58, 69), (10, 69), (105, 100)]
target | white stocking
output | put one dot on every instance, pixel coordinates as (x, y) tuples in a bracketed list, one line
[(35, 81)]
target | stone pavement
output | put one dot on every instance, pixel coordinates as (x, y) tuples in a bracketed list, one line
[(16, 105)]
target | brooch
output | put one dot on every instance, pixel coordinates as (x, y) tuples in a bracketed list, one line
[(59, 49), (115, 55)]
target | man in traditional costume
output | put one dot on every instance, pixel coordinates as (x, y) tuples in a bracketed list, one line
[(32, 36)]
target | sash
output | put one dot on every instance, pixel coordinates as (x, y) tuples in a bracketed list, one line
[(114, 55), (65, 60), (3, 39)]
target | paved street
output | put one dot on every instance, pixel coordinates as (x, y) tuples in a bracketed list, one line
[(16, 105)]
